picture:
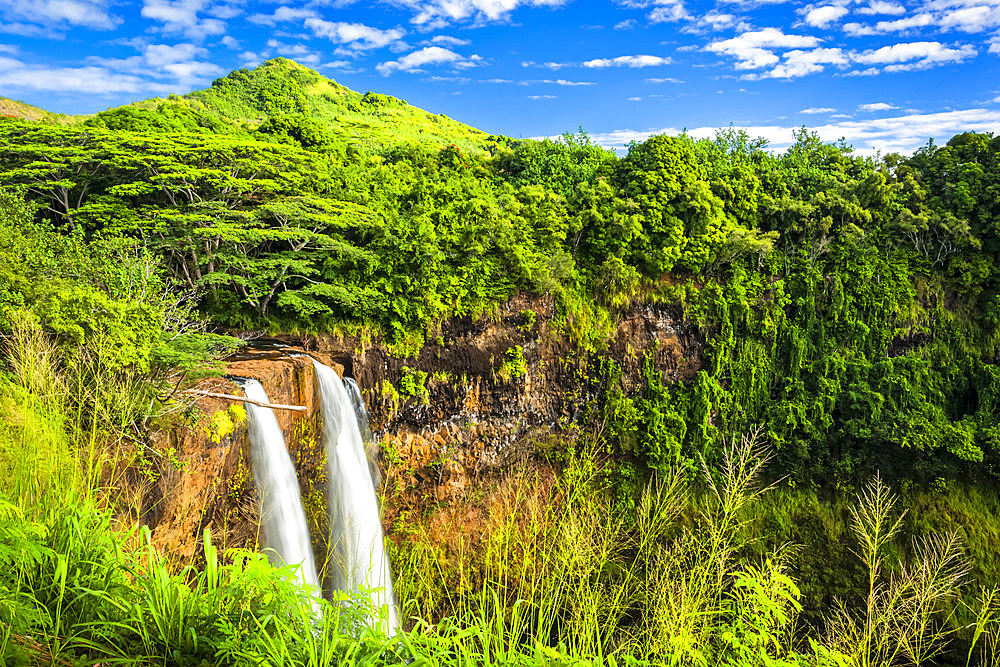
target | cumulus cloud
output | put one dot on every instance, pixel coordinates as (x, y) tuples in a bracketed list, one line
[(627, 61), (357, 35), (823, 16), (755, 49), (184, 64), (183, 16), (89, 80), (716, 20), (450, 41), (431, 55), (882, 7), (971, 19), (915, 55), (971, 16), (800, 63), (283, 14), (876, 106), (668, 11), (439, 13), (59, 13)]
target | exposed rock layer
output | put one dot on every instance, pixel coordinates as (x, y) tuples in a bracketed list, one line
[(480, 397)]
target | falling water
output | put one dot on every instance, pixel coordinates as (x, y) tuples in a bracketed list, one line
[(282, 518), (359, 559), (361, 416)]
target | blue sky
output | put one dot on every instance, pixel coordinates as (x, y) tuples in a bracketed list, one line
[(883, 74)]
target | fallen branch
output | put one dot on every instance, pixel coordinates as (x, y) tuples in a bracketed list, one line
[(244, 399)]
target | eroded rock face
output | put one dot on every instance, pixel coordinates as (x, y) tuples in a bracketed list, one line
[(211, 486), (481, 397)]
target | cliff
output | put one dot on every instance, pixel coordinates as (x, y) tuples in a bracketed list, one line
[(483, 397)]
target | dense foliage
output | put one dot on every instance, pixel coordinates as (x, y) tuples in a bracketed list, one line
[(849, 303)]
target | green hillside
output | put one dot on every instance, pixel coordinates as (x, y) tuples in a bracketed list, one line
[(246, 99), (17, 109)]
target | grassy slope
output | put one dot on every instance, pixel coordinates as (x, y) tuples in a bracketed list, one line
[(17, 109)]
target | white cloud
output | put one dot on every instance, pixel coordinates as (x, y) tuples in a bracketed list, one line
[(716, 20), (9, 48), (298, 51), (283, 14), (53, 13), (800, 63), (627, 24), (564, 82), (635, 99), (543, 97), (752, 49), (440, 13), (971, 16), (180, 63), (159, 55), (669, 11), (972, 19), (90, 80), (915, 55), (995, 45), (822, 17), (815, 110), (898, 134), (357, 35), (627, 61), (183, 16), (430, 55), (882, 7), (876, 106), (224, 12), (666, 79), (450, 41)]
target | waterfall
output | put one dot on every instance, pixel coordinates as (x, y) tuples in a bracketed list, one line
[(359, 561), (282, 518), (361, 416)]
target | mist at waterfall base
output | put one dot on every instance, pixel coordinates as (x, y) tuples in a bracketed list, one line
[(358, 558), (283, 520)]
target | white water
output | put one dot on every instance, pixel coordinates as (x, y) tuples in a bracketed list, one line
[(361, 416), (359, 561), (283, 520)]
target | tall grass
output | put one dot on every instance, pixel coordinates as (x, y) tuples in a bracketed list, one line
[(38, 465), (906, 610), (73, 421), (558, 567)]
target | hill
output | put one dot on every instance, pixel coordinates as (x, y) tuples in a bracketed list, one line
[(18, 109), (247, 98)]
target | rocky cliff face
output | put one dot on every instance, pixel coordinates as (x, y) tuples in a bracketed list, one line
[(482, 397)]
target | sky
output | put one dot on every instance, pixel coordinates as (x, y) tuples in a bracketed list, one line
[(883, 75)]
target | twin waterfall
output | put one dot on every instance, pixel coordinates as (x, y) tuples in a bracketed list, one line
[(358, 562)]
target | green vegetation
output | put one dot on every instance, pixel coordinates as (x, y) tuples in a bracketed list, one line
[(848, 306)]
